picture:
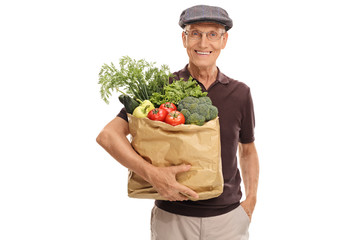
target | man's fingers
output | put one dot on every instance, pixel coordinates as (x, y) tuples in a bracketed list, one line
[(181, 168), (180, 197), (187, 192), (169, 188)]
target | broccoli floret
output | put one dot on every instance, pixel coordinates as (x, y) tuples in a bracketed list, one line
[(186, 113), (189, 100), (186, 102), (204, 110), (193, 107), (197, 119), (205, 100), (180, 106), (213, 111)]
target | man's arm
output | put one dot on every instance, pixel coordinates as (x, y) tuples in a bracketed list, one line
[(249, 164), (113, 139)]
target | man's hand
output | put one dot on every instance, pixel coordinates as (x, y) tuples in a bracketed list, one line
[(163, 179), (249, 205)]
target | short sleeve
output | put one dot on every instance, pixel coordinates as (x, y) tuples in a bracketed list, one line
[(247, 133), (123, 114)]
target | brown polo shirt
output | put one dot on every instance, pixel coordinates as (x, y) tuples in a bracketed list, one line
[(237, 122)]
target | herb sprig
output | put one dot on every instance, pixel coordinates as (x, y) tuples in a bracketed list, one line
[(138, 79)]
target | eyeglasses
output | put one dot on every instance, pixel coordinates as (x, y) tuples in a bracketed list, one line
[(196, 35)]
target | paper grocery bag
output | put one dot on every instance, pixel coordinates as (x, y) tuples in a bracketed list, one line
[(164, 145)]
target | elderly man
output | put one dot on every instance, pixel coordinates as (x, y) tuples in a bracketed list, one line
[(205, 35)]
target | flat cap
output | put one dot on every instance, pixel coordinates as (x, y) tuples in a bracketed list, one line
[(205, 13)]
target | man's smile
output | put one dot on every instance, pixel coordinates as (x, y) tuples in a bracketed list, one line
[(203, 52)]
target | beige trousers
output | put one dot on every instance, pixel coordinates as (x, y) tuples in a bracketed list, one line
[(233, 225)]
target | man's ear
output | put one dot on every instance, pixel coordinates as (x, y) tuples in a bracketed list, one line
[(225, 38), (184, 39)]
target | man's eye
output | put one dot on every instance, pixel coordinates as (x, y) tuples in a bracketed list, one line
[(195, 33), (213, 34)]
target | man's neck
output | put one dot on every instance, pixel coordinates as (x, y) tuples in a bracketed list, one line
[(204, 75)]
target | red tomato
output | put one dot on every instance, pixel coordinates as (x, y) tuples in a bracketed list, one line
[(175, 118), (157, 114), (168, 106)]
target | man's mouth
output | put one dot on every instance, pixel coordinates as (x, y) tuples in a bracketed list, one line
[(203, 53)]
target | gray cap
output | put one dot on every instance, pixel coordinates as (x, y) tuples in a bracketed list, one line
[(204, 13)]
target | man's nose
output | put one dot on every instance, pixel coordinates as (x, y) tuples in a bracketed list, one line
[(203, 40)]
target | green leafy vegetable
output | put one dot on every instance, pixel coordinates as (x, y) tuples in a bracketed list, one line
[(138, 79), (177, 91)]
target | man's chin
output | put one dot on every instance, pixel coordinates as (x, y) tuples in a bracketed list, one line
[(203, 63)]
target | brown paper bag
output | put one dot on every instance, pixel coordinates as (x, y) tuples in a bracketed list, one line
[(164, 145)]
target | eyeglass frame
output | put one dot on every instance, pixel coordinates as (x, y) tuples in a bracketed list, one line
[(186, 32)]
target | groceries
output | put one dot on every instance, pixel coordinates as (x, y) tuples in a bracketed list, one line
[(144, 87)]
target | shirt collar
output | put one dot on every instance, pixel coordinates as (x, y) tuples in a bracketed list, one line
[(185, 74)]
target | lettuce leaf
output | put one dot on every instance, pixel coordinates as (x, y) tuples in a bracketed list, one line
[(177, 91)]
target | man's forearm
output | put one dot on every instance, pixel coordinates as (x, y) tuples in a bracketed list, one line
[(249, 164), (119, 147), (113, 139)]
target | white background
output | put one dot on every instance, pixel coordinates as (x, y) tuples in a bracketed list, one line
[(300, 58)]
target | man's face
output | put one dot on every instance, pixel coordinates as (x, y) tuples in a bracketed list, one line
[(204, 52)]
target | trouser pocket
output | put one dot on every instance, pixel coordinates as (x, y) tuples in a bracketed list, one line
[(244, 214)]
